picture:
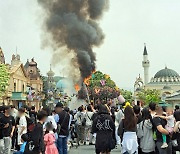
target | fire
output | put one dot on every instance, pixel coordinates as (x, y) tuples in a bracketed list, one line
[(77, 87), (87, 80)]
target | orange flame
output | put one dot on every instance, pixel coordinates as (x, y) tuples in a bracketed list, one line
[(87, 80), (77, 87)]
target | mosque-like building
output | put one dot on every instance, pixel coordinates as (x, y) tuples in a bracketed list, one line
[(166, 80)]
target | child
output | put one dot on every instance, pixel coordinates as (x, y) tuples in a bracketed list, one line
[(170, 125), (24, 139), (49, 140)]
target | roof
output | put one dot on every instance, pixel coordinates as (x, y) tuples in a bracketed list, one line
[(145, 50), (26, 65), (14, 68), (173, 97), (167, 87), (166, 73)]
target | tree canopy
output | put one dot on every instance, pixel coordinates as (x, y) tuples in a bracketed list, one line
[(148, 96), (100, 85), (4, 78)]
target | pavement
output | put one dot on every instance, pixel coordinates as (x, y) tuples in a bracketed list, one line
[(89, 150)]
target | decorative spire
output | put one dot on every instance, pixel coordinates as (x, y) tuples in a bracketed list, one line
[(50, 68), (145, 50)]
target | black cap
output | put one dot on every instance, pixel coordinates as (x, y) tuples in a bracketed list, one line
[(59, 104)]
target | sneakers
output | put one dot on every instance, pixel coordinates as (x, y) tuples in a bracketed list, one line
[(164, 145)]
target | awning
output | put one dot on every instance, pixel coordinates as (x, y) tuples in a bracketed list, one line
[(18, 96)]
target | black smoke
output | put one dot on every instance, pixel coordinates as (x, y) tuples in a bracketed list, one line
[(73, 26)]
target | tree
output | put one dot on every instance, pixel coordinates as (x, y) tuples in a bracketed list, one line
[(99, 86), (127, 95), (148, 96), (4, 78)]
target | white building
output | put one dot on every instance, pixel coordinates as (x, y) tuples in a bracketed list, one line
[(166, 80)]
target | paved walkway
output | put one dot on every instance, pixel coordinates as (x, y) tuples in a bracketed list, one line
[(89, 150)]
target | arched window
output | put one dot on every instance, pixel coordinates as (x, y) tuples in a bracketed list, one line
[(14, 87)]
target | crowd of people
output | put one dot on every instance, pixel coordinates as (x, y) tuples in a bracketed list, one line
[(149, 130)]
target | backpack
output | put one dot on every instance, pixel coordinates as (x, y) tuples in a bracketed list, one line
[(30, 124), (83, 121), (29, 148)]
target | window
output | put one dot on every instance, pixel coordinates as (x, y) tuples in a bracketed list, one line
[(14, 87), (23, 88)]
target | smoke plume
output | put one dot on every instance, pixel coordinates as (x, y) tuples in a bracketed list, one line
[(72, 28)]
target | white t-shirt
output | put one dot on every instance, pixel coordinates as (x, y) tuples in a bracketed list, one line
[(170, 121), (88, 118)]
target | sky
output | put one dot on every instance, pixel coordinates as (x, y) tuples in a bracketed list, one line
[(127, 25)]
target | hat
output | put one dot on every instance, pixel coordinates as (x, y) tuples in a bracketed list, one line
[(127, 104), (59, 104)]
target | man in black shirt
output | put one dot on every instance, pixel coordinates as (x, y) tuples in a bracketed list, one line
[(63, 125), (159, 124), (7, 131)]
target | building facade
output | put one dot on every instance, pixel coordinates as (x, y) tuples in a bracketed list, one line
[(25, 83), (166, 80)]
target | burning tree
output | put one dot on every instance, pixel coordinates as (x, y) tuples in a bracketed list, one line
[(99, 86)]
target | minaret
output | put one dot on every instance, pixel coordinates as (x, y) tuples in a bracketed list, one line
[(145, 64)]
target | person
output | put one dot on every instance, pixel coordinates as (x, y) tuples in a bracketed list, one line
[(7, 132), (95, 114), (35, 144), (88, 116), (80, 124), (177, 108), (49, 140), (137, 111), (170, 125), (147, 143), (63, 128), (159, 125), (104, 127), (14, 112), (119, 115), (22, 125), (33, 114), (24, 139), (152, 109), (127, 131), (176, 135), (50, 118)]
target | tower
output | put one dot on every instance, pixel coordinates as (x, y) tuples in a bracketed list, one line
[(145, 64), (2, 59), (50, 79)]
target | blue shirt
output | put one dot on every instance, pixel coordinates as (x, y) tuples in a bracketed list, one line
[(22, 149)]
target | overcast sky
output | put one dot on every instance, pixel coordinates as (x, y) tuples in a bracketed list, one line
[(128, 24)]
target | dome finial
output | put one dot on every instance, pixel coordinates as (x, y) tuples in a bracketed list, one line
[(165, 66)]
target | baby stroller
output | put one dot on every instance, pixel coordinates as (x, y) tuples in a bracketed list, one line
[(73, 134)]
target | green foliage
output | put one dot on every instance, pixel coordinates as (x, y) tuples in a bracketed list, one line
[(4, 78), (128, 95), (97, 76), (148, 96), (100, 86)]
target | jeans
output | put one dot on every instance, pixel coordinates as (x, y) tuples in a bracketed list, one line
[(62, 145), (168, 150), (5, 145)]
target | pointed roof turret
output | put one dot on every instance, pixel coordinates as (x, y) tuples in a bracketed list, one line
[(145, 50), (2, 59)]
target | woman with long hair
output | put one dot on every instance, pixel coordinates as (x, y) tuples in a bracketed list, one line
[(104, 127), (127, 131), (145, 133)]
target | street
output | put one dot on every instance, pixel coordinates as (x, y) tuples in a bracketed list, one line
[(89, 150)]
